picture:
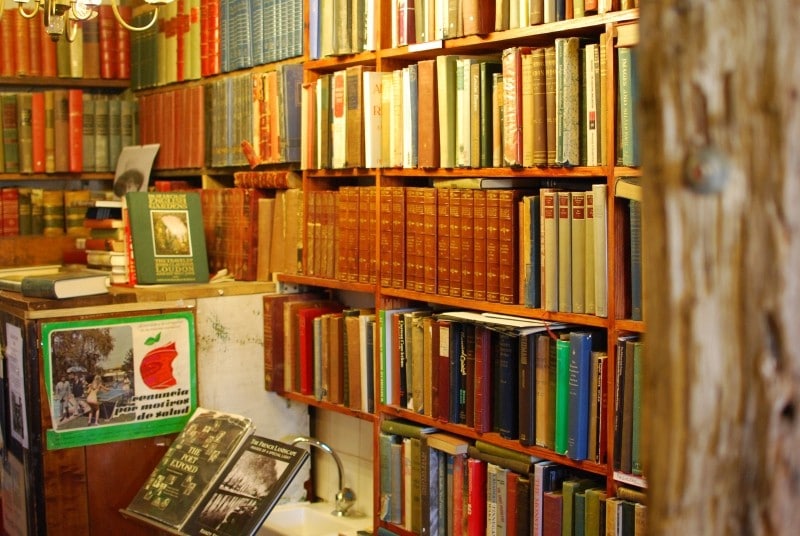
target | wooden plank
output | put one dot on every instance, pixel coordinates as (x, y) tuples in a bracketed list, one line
[(193, 290)]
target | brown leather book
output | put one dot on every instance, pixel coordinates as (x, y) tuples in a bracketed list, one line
[(479, 244), (274, 337), (507, 245), (398, 194), (428, 115), (492, 246), (385, 253), (455, 242), (428, 241), (467, 244), (443, 241)]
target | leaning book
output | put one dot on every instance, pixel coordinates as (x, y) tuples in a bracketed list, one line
[(216, 478), (166, 233)]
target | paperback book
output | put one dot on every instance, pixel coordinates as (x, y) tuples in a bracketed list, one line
[(216, 478)]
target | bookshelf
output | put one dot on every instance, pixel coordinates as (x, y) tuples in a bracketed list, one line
[(617, 323)]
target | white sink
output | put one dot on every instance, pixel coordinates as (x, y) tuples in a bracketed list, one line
[(311, 519)]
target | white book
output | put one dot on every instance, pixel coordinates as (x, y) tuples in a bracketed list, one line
[(387, 100), (525, 12), (592, 104), (338, 119), (589, 275), (550, 10), (398, 119), (372, 119), (463, 111), (600, 225)]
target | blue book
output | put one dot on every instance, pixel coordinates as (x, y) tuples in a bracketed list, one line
[(270, 53), (533, 282), (580, 367), (290, 78), (257, 32), (506, 391), (457, 386), (313, 29)]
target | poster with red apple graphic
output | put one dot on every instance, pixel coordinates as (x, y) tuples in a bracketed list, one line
[(114, 379)]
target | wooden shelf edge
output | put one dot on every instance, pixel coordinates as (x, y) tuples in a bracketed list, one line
[(327, 406)]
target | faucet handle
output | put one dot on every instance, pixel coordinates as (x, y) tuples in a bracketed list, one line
[(345, 499)]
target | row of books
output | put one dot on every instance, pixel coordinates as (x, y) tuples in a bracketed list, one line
[(529, 106), (158, 113), (86, 133), (513, 246), (537, 383), (337, 27), (261, 108), (196, 39), (37, 211), (629, 350), (318, 347), (101, 48), (433, 482)]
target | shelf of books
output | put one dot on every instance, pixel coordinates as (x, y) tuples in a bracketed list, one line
[(500, 245)]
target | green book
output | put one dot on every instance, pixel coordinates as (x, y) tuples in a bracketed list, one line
[(167, 237), (595, 498), (569, 512), (562, 395)]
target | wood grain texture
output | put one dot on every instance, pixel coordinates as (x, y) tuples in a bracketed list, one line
[(721, 291)]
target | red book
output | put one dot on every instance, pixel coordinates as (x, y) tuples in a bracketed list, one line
[(443, 364), (9, 209), (274, 337), (511, 502), (476, 497), (33, 46), (210, 38), (47, 50), (22, 30), (551, 513), (123, 45), (8, 52), (37, 129), (108, 43), (305, 319), (75, 104), (460, 494)]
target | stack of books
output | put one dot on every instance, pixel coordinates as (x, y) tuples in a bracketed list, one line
[(105, 245)]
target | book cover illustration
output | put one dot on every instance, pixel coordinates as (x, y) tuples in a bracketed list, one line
[(193, 462), (167, 236), (249, 490)]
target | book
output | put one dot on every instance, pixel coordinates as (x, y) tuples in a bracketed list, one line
[(11, 278), (65, 284), (167, 237), (216, 477)]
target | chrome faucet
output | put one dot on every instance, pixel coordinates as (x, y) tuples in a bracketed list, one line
[(345, 498)]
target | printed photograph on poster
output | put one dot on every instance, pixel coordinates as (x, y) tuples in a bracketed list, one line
[(16, 384), (119, 378)]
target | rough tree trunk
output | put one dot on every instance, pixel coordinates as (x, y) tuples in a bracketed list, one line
[(720, 86)]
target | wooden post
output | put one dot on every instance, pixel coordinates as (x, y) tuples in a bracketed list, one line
[(720, 110)]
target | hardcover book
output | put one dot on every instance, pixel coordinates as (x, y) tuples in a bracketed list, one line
[(65, 284), (167, 237), (216, 478)]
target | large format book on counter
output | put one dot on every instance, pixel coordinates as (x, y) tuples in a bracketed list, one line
[(167, 239), (216, 478)]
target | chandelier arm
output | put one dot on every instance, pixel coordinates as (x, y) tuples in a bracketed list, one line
[(27, 14), (70, 29), (118, 16)]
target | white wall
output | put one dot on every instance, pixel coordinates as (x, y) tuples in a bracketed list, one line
[(230, 373)]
